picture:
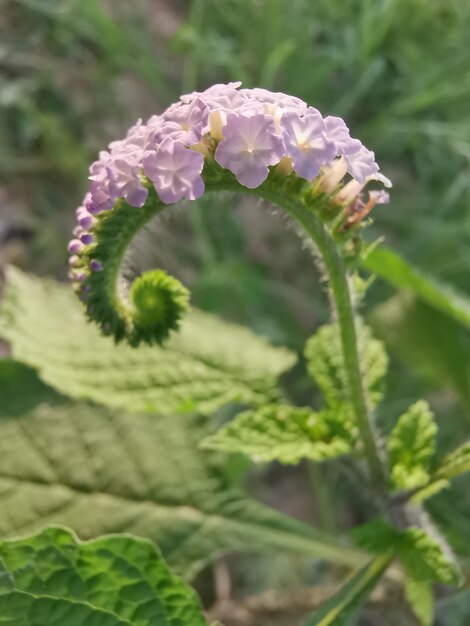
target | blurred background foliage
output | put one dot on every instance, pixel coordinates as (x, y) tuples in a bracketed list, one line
[(75, 74)]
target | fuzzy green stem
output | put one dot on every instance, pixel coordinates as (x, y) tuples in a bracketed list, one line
[(338, 278)]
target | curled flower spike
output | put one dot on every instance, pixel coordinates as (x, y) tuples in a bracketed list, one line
[(271, 145)]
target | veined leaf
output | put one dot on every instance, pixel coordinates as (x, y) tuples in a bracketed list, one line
[(421, 599), (53, 578), (376, 536), (207, 364), (24, 609), (326, 364), (426, 560), (422, 556), (411, 447), (455, 463), (394, 269), (100, 471), (452, 465), (287, 434), (342, 607)]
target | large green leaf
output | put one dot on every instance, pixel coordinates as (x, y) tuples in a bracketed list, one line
[(325, 363), (53, 578), (390, 266), (287, 434), (411, 447), (100, 471), (207, 364), (24, 609), (343, 606), (21, 390)]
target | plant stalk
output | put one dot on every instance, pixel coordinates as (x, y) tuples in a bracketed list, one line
[(338, 278)]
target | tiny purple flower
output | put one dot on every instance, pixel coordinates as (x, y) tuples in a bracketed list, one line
[(87, 238), (77, 276), (278, 98), (102, 196), (380, 197), (75, 246), (175, 171), (96, 266), (187, 120), (361, 163), (249, 146), (306, 143), (85, 219), (123, 172), (337, 131)]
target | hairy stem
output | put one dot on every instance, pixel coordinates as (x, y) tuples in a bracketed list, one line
[(338, 278)]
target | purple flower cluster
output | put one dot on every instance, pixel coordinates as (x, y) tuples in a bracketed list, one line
[(246, 131)]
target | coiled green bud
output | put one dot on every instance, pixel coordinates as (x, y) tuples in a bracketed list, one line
[(159, 302)]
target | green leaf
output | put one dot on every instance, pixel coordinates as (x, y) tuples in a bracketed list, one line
[(411, 447), (100, 471), (426, 560), (23, 609), (429, 490), (452, 465), (343, 606), (209, 363), (376, 536), (421, 599), (390, 266), (287, 434), (326, 365), (53, 574), (422, 556), (21, 389), (455, 463)]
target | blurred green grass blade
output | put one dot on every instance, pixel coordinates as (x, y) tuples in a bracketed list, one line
[(54, 578), (342, 607), (395, 270), (426, 339)]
